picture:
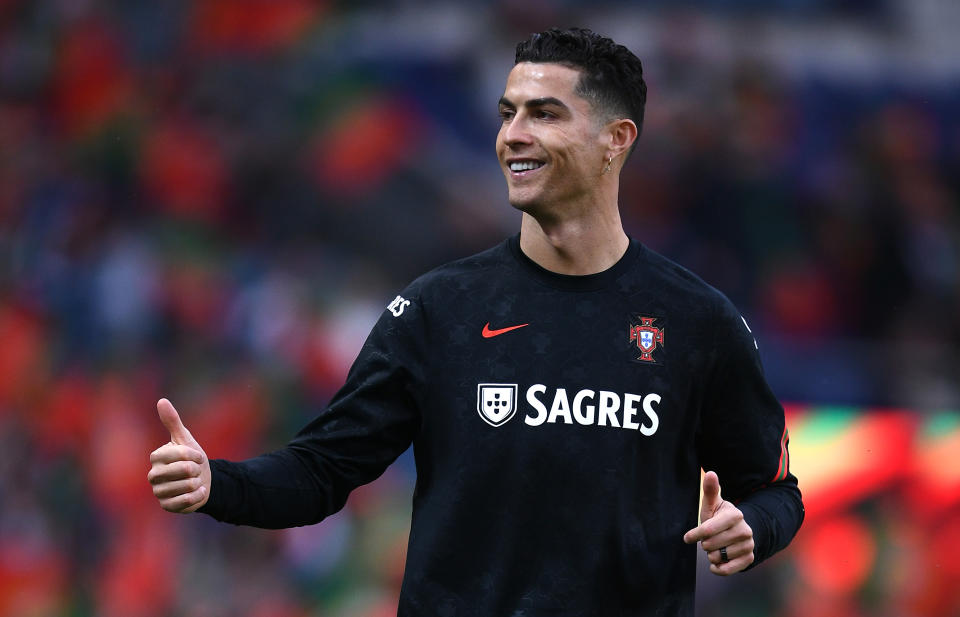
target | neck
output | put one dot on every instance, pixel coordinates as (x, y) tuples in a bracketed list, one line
[(575, 245)]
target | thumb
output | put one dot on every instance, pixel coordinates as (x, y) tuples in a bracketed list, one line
[(171, 421), (711, 496)]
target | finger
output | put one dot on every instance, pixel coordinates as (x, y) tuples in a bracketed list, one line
[(727, 516), (171, 472), (171, 453), (734, 551), (168, 490), (171, 421), (184, 503), (711, 496), (733, 566), (737, 533)]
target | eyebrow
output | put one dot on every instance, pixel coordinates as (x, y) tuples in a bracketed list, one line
[(540, 102)]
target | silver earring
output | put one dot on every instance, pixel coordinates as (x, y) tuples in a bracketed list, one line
[(609, 162)]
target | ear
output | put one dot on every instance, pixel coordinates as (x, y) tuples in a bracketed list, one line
[(621, 135)]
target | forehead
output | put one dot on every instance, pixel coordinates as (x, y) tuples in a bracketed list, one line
[(534, 80)]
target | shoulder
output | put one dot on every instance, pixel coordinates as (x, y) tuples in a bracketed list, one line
[(446, 283), (459, 272), (659, 274), (678, 292), (711, 316)]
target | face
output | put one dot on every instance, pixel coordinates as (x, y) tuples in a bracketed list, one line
[(550, 145)]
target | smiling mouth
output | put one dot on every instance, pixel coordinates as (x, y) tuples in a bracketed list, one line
[(524, 167)]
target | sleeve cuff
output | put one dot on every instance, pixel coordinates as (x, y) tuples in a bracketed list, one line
[(761, 534), (218, 487)]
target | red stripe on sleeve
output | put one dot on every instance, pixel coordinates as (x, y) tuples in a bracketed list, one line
[(783, 468)]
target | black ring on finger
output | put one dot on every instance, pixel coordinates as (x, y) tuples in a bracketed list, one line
[(723, 554)]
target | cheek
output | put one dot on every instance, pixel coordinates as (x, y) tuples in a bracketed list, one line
[(585, 155)]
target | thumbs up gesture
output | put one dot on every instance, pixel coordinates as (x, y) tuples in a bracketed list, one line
[(179, 471), (722, 533)]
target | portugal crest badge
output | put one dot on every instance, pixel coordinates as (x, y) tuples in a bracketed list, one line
[(496, 402), (645, 337)]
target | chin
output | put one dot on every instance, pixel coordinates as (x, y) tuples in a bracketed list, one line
[(525, 203), (527, 206)]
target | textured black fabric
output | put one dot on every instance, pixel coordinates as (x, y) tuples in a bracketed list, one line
[(622, 385)]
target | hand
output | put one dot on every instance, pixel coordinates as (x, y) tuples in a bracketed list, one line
[(180, 471), (721, 525)]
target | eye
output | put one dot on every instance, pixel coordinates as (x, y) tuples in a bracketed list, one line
[(543, 114), (506, 114)]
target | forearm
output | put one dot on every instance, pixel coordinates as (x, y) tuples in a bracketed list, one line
[(272, 491), (774, 513)]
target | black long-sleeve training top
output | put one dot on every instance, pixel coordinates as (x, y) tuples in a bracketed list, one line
[(559, 425)]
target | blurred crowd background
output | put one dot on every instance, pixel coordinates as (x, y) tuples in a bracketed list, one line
[(213, 200)]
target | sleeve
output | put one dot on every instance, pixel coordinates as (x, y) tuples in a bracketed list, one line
[(367, 425), (744, 438)]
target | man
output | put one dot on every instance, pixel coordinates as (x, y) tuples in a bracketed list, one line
[(562, 392)]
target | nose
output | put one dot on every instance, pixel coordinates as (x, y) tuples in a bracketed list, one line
[(515, 133)]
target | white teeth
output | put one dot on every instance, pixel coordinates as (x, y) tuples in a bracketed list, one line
[(525, 165)]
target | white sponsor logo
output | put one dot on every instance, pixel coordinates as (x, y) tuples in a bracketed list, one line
[(396, 307), (496, 402)]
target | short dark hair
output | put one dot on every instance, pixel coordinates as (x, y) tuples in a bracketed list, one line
[(611, 76)]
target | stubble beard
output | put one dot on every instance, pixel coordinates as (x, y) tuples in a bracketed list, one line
[(534, 205)]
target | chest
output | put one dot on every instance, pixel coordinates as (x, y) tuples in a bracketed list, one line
[(547, 375)]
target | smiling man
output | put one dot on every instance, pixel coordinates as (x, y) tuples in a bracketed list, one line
[(562, 392)]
